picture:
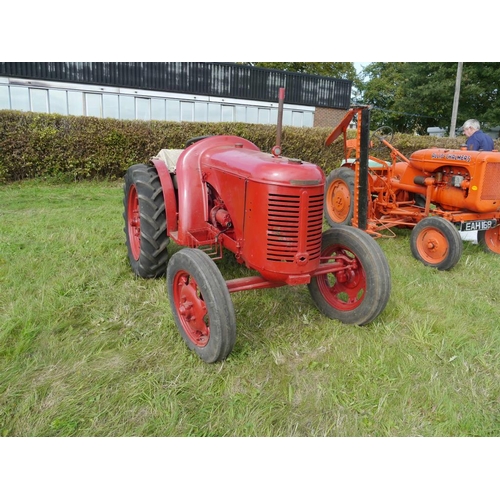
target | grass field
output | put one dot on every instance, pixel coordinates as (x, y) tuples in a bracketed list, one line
[(87, 349)]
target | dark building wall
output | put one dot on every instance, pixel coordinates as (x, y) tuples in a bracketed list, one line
[(203, 78)]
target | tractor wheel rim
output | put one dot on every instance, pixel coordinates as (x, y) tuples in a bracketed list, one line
[(432, 246), (339, 198), (345, 289), (492, 239), (191, 309), (134, 223)]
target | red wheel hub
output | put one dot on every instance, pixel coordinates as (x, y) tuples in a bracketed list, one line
[(191, 308), (134, 222), (344, 289)]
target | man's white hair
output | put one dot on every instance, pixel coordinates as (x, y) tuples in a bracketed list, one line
[(472, 123)]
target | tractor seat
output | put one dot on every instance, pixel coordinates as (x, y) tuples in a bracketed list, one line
[(170, 157)]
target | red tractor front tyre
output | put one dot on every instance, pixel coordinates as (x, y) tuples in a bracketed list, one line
[(201, 304), (360, 290)]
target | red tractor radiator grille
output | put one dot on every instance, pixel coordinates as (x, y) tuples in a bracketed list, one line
[(294, 226), (491, 188)]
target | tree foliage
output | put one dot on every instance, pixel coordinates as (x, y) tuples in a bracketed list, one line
[(410, 97)]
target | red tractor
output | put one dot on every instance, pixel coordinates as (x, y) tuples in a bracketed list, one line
[(223, 192), (435, 193)]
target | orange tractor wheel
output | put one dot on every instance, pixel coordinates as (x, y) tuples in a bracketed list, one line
[(490, 239), (339, 198), (437, 243)]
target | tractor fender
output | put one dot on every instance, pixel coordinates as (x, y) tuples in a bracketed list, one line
[(192, 191), (168, 189)]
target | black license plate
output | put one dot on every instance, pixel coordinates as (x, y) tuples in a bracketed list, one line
[(478, 225)]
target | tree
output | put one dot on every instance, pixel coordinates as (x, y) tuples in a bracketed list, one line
[(410, 97)]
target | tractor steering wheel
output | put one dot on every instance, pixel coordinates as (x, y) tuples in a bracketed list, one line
[(196, 139), (382, 133)]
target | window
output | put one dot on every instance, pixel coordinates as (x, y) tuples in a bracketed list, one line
[(158, 109), (4, 97), (187, 111), (110, 106), (93, 105), (201, 111), (127, 109), (264, 116), (252, 115), (287, 117), (297, 119), (143, 109), (213, 112), (75, 103), (129, 104), (173, 112), (227, 113), (240, 114), (57, 102), (39, 101), (20, 98)]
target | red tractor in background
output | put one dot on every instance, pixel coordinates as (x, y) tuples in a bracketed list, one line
[(435, 193), (223, 192)]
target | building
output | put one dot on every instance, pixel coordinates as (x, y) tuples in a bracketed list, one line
[(173, 91)]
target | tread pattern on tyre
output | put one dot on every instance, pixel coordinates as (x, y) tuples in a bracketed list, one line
[(375, 267), (153, 257), (217, 299)]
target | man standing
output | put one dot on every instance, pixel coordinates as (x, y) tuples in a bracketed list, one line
[(476, 138)]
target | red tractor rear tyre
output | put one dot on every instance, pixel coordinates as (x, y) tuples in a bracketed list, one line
[(201, 304), (339, 196), (145, 222), (359, 292), (489, 239), (437, 243)]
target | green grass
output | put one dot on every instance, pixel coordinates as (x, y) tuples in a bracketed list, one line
[(87, 349)]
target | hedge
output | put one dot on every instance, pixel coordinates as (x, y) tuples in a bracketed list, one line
[(38, 145)]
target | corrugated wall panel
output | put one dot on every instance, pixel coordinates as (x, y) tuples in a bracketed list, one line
[(211, 78)]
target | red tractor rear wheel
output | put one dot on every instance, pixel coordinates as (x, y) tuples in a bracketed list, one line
[(201, 304), (436, 242), (145, 222), (339, 196), (360, 290), (490, 239)]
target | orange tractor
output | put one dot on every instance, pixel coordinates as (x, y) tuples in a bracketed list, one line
[(437, 193)]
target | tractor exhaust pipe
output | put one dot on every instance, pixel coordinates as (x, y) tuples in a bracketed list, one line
[(276, 151)]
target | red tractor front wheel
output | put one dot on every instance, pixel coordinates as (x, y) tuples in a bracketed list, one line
[(359, 291), (201, 304)]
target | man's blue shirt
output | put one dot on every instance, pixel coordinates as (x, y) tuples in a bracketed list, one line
[(479, 140)]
